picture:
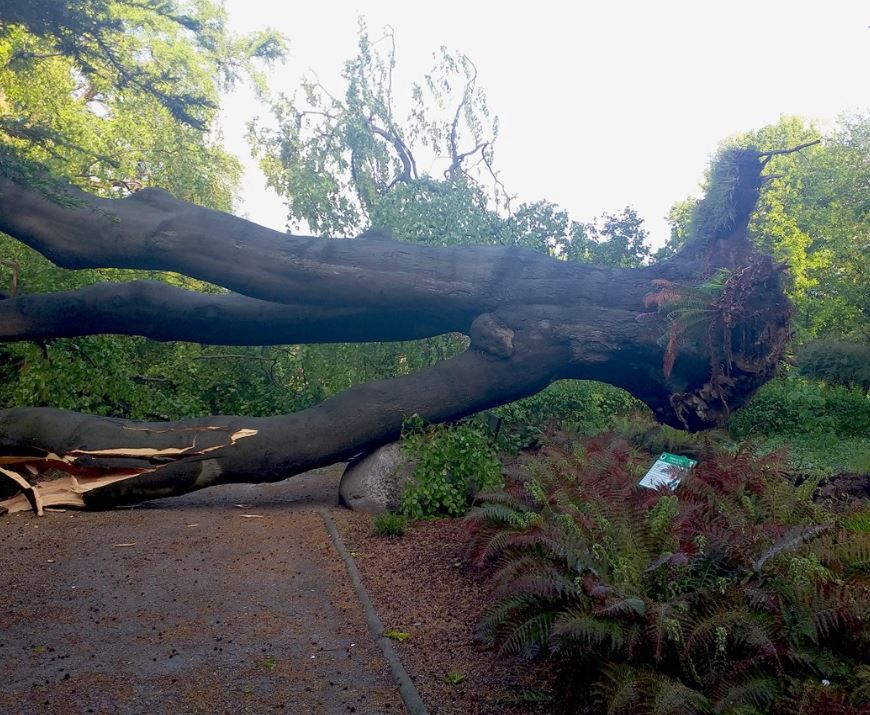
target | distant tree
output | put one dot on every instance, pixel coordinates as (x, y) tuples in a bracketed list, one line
[(618, 240), (115, 96), (814, 216), (680, 221)]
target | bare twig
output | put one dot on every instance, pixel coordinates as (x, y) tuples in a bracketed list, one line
[(768, 155), (456, 158), (456, 163), (497, 182)]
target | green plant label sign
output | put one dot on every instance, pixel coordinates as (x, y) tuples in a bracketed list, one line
[(667, 471)]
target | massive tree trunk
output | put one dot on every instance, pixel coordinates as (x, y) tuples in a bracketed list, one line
[(531, 319)]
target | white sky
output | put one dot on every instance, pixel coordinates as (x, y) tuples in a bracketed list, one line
[(601, 104)]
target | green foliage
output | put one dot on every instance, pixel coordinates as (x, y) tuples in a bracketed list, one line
[(335, 158), (579, 406), (812, 215), (437, 213), (454, 677), (617, 240), (792, 405), (644, 432), (857, 521), (400, 636), (731, 594), (815, 217), (390, 525), (680, 221), (837, 362), (824, 428), (140, 379), (453, 464), (79, 83), (127, 45)]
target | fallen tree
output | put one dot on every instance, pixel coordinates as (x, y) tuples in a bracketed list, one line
[(692, 337)]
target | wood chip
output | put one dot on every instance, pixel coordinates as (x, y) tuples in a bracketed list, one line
[(252, 516), (123, 545)]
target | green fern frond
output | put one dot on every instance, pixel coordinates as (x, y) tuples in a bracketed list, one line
[(488, 544), (845, 553), (793, 539), (529, 637), (754, 581), (575, 626), (669, 696), (618, 688), (828, 621), (659, 629), (752, 695), (501, 513), (629, 606), (531, 575)]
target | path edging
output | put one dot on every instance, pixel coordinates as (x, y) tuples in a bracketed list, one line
[(413, 703)]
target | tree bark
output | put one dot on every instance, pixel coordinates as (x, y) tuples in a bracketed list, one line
[(531, 319)]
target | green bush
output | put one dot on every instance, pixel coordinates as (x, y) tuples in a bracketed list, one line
[(837, 362), (794, 405), (579, 406), (453, 464), (390, 525), (731, 594)]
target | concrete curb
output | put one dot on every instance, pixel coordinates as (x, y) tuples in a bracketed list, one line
[(413, 704)]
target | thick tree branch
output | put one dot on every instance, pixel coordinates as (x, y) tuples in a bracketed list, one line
[(409, 165), (152, 230), (163, 312), (113, 461)]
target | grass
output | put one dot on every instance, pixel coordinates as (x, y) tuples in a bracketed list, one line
[(389, 525)]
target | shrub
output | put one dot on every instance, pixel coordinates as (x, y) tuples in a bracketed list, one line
[(792, 405), (453, 464), (837, 363), (390, 525), (580, 406), (731, 594)]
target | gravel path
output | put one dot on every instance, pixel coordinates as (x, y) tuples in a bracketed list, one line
[(191, 604)]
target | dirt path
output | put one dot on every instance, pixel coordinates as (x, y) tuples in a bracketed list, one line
[(187, 606)]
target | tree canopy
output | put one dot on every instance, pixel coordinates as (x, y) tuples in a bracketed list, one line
[(814, 216)]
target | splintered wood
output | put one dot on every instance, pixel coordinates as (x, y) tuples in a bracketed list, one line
[(69, 490)]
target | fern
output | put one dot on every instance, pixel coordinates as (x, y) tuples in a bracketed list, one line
[(531, 636), (752, 695), (794, 538), (578, 627), (733, 594), (689, 311)]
